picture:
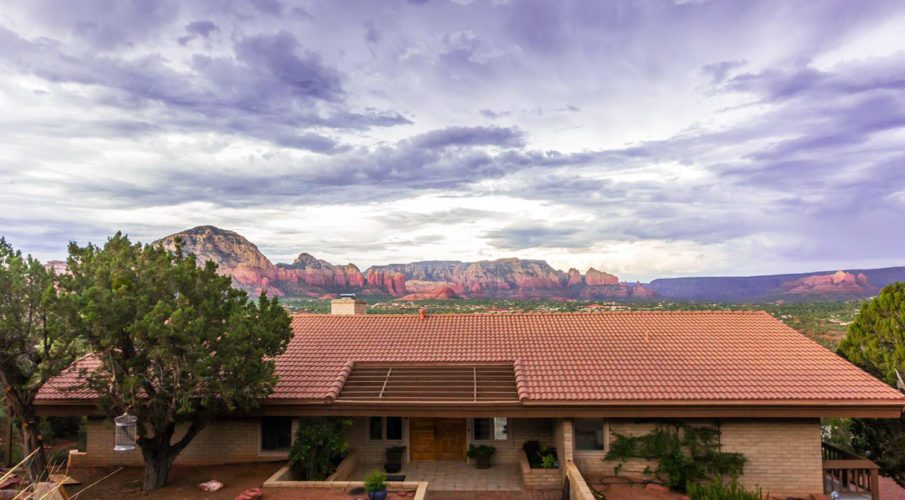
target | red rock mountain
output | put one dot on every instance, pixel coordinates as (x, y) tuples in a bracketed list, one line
[(837, 283), (312, 277)]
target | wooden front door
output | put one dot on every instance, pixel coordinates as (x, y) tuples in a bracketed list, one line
[(438, 438)]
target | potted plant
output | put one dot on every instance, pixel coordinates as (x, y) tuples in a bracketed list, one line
[(394, 459), (481, 454), (375, 483)]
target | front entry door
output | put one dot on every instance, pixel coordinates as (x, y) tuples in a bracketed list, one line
[(438, 438)]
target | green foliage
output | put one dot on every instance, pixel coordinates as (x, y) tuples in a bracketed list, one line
[(837, 432), (683, 453), (319, 446), (480, 451), (34, 341), (174, 341), (540, 457), (375, 481), (876, 343), (720, 491)]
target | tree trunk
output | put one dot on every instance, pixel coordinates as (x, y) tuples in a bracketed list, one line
[(159, 453), (30, 432), (37, 466), (158, 460), (157, 470)]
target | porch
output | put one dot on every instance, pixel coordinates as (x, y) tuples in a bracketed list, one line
[(451, 475), (853, 477)]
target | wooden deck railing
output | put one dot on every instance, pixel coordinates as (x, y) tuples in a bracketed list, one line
[(846, 472)]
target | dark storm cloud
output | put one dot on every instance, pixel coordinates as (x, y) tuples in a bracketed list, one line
[(272, 89)]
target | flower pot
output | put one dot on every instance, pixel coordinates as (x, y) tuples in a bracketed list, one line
[(394, 460), (482, 462), (377, 495)]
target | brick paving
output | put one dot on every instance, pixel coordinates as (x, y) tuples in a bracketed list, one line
[(494, 495), (454, 476)]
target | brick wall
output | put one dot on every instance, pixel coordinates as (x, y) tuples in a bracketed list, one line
[(562, 439), (220, 442), (783, 454)]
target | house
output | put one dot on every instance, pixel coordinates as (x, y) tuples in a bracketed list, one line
[(438, 383)]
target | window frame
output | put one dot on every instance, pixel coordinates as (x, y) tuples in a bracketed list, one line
[(493, 430), (261, 433), (384, 428), (605, 442)]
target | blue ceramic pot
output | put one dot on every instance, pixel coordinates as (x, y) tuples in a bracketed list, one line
[(377, 495)]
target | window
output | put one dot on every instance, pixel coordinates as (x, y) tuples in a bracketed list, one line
[(376, 426), (588, 433), (394, 428), (487, 429), (388, 428), (276, 433)]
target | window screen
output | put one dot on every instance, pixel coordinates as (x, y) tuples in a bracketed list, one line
[(588, 433), (276, 433)]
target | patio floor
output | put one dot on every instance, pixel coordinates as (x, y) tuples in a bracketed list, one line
[(453, 476)]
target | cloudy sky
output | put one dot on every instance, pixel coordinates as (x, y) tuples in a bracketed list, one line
[(645, 138)]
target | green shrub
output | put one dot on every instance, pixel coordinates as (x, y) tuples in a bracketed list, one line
[(64, 427), (319, 446), (480, 451), (375, 481), (719, 491), (540, 457)]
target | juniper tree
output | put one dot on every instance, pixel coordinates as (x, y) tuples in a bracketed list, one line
[(876, 342), (34, 345), (175, 344)]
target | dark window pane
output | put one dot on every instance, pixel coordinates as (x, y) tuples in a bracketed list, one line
[(276, 433), (483, 429), (394, 428), (588, 433), (376, 426)]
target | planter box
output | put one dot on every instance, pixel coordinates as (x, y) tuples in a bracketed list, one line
[(281, 480), (342, 472), (538, 479), (345, 468)]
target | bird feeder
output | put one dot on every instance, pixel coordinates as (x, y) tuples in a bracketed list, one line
[(125, 432)]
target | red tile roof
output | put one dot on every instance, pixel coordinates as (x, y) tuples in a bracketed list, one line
[(579, 357)]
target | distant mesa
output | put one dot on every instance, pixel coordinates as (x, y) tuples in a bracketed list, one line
[(840, 282), (510, 278), (308, 276)]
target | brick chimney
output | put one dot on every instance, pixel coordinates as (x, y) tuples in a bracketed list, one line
[(347, 304)]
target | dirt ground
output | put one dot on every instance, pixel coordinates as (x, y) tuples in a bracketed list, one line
[(183, 481), (183, 484), (620, 491), (889, 490)]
